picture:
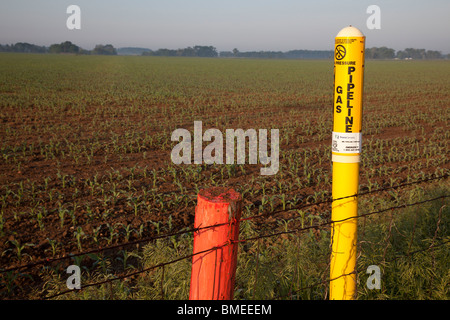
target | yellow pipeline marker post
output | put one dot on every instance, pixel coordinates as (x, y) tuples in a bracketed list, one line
[(346, 150)]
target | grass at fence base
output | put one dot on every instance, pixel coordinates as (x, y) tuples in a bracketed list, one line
[(408, 269), (295, 265)]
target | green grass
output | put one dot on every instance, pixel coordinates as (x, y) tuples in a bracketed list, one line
[(410, 245)]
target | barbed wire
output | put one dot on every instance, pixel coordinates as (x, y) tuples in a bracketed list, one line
[(359, 270), (295, 230), (181, 232)]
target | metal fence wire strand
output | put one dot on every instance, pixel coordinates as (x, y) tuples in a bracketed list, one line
[(318, 226), (296, 230), (48, 261)]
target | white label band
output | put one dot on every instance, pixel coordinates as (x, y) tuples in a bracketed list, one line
[(345, 159), (348, 142)]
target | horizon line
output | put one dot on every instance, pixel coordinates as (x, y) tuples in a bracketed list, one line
[(230, 50)]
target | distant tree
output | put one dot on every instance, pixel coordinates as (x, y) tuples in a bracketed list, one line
[(64, 47), (401, 55), (430, 54), (54, 48), (205, 51), (235, 52), (23, 47), (196, 51), (380, 53), (166, 52), (104, 50), (226, 54), (187, 52), (411, 53), (69, 47)]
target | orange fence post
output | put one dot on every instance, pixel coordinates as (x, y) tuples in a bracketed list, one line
[(213, 271)]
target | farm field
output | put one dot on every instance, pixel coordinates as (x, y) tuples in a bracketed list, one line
[(86, 165)]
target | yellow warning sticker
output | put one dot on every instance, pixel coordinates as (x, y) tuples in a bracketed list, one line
[(348, 90)]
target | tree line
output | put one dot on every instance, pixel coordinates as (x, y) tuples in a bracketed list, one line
[(292, 54), (211, 52), (63, 47), (408, 53), (370, 53), (196, 51)]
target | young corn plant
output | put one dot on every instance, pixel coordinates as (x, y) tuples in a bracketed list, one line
[(79, 235), (19, 248), (61, 214), (112, 233), (53, 246), (134, 203)]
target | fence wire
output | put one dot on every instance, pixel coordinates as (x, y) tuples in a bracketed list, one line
[(181, 232), (50, 261), (295, 230)]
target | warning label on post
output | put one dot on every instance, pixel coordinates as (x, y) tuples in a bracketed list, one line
[(348, 142)]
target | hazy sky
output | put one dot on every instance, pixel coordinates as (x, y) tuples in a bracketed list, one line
[(226, 24)]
